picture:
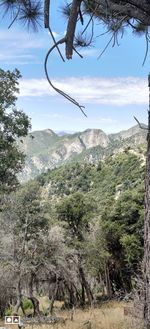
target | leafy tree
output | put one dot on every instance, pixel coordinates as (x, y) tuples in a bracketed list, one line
[(116, 16), (32, 250), (26, 227), (123, 226), (75, 212), (96, 256), (14, 124)]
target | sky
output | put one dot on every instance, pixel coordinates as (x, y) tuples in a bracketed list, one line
[(113, 88)]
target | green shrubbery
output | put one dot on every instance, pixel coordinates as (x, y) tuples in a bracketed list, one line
[(27, 304)]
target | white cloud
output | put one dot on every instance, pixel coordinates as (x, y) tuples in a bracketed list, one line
[(23, 40), (55, 34), (17, 47), (91, 52), (109, 91)]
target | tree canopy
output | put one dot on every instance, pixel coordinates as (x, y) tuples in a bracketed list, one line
[(116, 16), (14, 124)]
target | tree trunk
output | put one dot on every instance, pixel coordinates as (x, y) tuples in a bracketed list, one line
[(86, 285), (108, 282), (82, 294), (53, 297), (147, 233), (71, 294), (34, 300), (19, 303)]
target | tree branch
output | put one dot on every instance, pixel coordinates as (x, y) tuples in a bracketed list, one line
[(72, 100), (75, 8), (140, 125), (46, 13)]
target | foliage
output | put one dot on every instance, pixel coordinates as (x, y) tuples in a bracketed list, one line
[(116, 185), (14, 124), (76, 239), (117, 188), (123, 226), (27, 304), (96, 251), (8, 311), (76, 213), (29, 12)]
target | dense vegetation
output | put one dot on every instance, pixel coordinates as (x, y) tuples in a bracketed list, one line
[(75, 233), (116, 17), (13, 124)]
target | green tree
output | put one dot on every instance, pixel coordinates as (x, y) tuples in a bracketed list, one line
[(14, 124), (116, 16), (123, 226), (75, 212), (25, 239), (96, 257)]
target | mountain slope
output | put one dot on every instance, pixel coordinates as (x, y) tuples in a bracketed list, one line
[(46, 150)]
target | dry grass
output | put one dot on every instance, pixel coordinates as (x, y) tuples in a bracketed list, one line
[(109, 316)]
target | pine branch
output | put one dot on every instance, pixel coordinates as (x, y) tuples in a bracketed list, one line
[(75, 8)]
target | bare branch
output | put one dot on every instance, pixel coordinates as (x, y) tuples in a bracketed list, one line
[(77, 52), (146, 52), (72, 100), (46, 13), (81, 17), (14, 19), (106, 47), (55, 43), (140, 125), (91, 19), (47, 26)]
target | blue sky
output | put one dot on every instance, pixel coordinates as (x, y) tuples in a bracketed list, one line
[(113, 89)]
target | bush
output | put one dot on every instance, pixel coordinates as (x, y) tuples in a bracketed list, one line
[(27, 304), (8, 311)]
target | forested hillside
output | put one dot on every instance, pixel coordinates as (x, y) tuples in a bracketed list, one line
[(75, 233), (46, 150)]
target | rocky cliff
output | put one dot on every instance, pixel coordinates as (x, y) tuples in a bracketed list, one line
[(45, 149)]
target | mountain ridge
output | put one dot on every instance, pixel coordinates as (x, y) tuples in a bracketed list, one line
[(45, 149)]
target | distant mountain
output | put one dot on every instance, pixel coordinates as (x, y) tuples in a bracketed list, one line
[(65, 132), (46, 150), (134, 132)]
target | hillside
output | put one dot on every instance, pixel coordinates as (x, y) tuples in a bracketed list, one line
[(109, 178), (114, 188), (82, 223), (46, 150)]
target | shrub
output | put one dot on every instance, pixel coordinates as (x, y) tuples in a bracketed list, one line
[(27, 304)]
